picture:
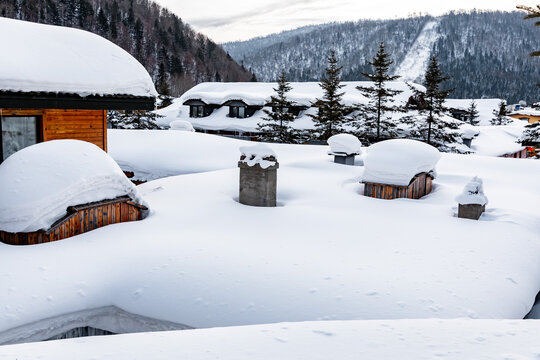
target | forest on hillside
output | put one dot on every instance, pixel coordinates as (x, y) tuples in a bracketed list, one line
[(174, 54)]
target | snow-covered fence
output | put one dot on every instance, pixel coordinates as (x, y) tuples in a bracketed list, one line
[(472, 201), (258, 176), (344, 147)]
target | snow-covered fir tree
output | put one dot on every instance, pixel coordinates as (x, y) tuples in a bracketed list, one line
[(371, 120), (500, 115), (275, 127), (473, 113), (531, 135), (433, 126), (331, 114), (143, 120)]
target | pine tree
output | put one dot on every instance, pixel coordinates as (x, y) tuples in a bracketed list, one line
[(500, 115), (162, 82), (276, 125), (533, 13), (434, 127), (370, 119), (331, 112), (531, 136), (144, 120), (473, 114)]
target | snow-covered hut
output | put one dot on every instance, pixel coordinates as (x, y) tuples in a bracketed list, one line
[(399, 168), (57, 189), (531, 115), (58, 82)]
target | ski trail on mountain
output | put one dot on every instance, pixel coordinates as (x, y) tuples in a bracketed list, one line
[(415, 63)]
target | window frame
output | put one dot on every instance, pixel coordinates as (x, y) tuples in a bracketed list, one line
[(39, 128)]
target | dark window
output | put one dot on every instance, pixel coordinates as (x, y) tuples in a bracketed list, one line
[(196, 111), (18, 132), (237, 112)]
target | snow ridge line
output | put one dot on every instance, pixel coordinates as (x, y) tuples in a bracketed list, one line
[(415, 63)]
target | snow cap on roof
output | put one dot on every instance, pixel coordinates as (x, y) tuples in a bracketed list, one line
[(47, 58), (39, 182), (181, 125), (396, 162), (344, 144)]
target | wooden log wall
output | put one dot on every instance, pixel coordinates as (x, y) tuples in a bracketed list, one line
[(56, 124), (81, 219), (420, 185)]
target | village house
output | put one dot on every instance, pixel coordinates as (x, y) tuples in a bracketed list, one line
[(58, 83)]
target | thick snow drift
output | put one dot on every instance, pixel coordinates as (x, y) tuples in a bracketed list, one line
[(344, 143), (396, 162), (39, 182), (460, 339), (46, 58), (181, 125)]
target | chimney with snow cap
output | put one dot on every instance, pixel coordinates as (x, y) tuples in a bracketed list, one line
[(344, 147), (258, 176), (472, 201)]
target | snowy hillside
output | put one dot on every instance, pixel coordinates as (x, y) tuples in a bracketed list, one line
[(485, 53)]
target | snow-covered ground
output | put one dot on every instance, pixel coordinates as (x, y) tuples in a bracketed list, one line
[(325, 253), (382, 340), (485, 108), (413, 67)]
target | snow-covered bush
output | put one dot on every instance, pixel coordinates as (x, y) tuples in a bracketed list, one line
[(145, 120), (397, 161), (181, 125), (39, 182), (258, 154), (473, 193), (344, 144)]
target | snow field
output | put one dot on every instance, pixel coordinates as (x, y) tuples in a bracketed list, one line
[(325, 253), (382, 339)]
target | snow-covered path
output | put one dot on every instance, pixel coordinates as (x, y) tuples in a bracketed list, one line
[(413, 66)]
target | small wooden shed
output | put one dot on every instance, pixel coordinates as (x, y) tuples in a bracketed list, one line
[(59, 82), (399, 168)]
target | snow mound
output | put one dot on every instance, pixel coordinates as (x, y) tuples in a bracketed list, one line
[(181, 125), (396, 162), (39, 182), (473, 193), (46, 58), (258, 154), (344, 143), (469, 131)]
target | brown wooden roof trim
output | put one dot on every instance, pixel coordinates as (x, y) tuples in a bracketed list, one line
[(20, 100)]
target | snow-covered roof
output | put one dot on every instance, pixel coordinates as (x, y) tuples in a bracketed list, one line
[(181, 125), (485, 107), (39, 182), (526, 111), (396, 162), (344, 144), (47, 58), (302, 93)]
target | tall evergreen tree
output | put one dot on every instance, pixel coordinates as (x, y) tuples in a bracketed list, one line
[(370, 119), (472, 113), (533, 13), (331, 112), (500, 117), (434, 127), (276, 125)]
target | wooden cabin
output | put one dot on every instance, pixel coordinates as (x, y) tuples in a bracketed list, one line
[(80, 219), (419, 186), (61, 83), (530, 115), (520, 154), (59, 86), (199, 108)]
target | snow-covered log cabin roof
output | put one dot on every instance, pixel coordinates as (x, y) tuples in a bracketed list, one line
[(39, 182), (61, 62), (396, 162), (302, 93)]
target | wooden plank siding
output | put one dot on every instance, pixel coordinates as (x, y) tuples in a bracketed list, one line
[(81, 219), (57, 124), (419, 186)]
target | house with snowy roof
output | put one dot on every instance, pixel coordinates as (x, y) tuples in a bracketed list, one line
[(528, 114), (59, 82), (235, 109)]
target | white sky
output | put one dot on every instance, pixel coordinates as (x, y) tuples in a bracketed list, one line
[(225, 21)]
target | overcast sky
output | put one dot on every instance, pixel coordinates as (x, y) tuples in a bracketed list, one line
[(233, 20)]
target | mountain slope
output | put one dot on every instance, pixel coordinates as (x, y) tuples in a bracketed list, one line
[(175, 55), (485, 53)]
